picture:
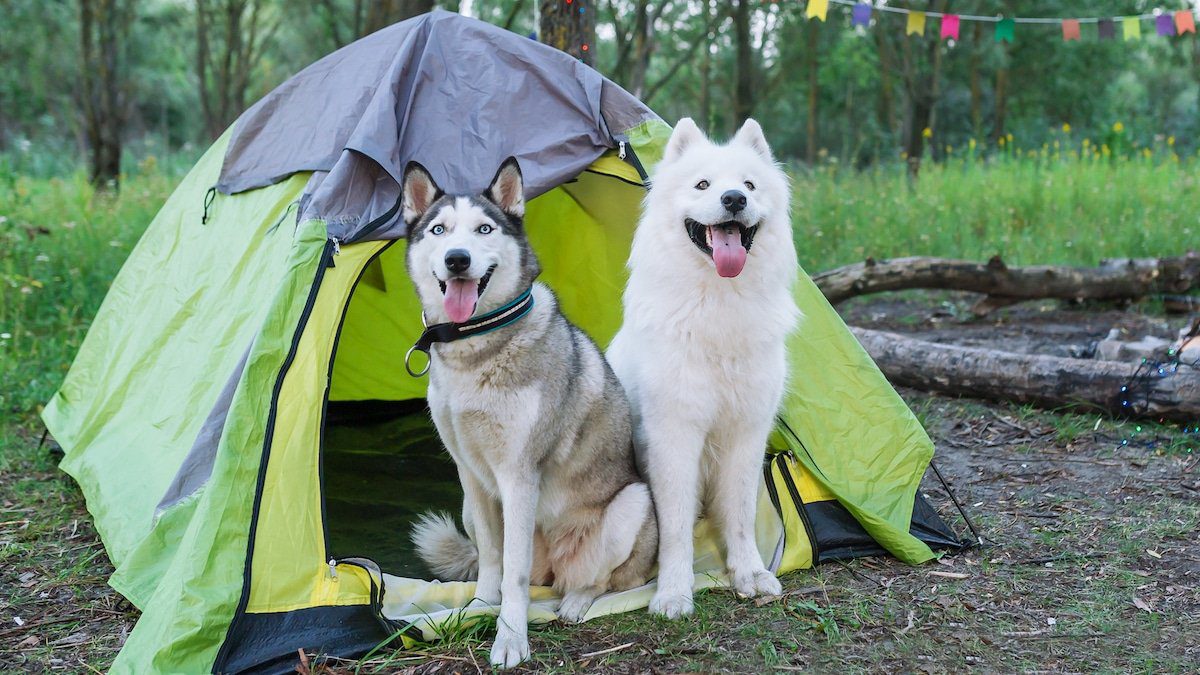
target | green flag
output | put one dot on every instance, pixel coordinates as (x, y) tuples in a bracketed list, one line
[(1004, 30)]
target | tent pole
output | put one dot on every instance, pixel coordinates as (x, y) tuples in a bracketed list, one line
[(954, 498)]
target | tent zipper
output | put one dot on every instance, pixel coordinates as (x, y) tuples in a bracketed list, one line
[(265, 455), (336, 249), (794, 491)]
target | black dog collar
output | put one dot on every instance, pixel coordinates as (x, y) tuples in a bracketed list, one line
[(450, 332)]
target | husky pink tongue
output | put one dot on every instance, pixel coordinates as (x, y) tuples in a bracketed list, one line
[(461, 296), (727, 250)]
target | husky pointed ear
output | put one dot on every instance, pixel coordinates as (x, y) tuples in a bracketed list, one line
[(418, 192), (508, 189), (751, 136), (685, 135)]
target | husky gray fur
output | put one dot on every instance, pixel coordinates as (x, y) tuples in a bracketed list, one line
[(533, 416)]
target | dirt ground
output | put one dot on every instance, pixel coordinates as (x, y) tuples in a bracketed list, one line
[(1091, 558)]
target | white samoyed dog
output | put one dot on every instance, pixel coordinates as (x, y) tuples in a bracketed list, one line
[(701, 353)]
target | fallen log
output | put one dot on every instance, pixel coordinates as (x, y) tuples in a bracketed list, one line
[(1045, 380), (1117, 279)]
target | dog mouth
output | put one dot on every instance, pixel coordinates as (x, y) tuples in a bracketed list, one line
[(460, 295), (727, 243)]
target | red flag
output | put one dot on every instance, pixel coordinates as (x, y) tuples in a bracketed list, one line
[(1070, 28), (950, 27), (1185, 22)]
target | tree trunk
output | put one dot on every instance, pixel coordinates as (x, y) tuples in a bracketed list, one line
[(383, 13), (104, 34), (886, 109), (976, 89), (1120, 279), (1045, 380), (1001, 103), (229, 45), (743, 100), (563, 26), (814, 65)]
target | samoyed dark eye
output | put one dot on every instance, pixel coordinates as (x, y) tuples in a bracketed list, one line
[(437, 229), (749, 186), (484, 229), (702, 185)]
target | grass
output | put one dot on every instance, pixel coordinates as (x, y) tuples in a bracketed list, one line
[(61, 243)]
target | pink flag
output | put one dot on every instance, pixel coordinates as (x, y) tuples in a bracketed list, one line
[(950, 27), (1070, 28)]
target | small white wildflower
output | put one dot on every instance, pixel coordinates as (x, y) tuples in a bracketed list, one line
[(5, 336), (42, 257)]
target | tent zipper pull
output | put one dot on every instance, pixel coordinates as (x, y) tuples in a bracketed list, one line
[(333, 569), (621, 150), (337, 246)]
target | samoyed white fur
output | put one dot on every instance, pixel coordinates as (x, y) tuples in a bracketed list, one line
[(701, 353)]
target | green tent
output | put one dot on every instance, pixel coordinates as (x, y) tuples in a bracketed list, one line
[(239, 418)]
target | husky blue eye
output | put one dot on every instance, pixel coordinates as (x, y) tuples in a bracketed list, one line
[(484, 229), (437, 229), (702, 185)]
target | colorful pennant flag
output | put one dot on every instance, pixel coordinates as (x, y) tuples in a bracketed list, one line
[(1106, 29), (1070, 28), (1185, 22), (817, 8), (950, 27), (916, 24), (1165, 25), (1004, 30), (1131, 28), (861, 15)]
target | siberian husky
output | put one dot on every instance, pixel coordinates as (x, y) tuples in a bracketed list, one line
[(701, 353), (530, 411)]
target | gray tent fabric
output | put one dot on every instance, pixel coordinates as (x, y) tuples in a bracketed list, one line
[(424, 90)]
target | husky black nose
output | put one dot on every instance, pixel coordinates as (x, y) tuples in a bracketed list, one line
[(733, 201), (458, 260)]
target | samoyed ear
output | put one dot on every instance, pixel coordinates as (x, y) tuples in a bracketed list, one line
[(419, 192), (508, 189), (751, 136), (685, 135)]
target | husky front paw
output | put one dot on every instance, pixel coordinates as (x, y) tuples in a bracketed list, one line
[(509, 650), (574, 606), (753, 583), (671, 605)]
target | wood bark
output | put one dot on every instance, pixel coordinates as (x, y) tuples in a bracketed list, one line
[(104, 35), (1045, 380), (1120, 279), (564, 27)]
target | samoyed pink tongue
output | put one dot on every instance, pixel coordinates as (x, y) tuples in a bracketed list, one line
[(727, 250), (461, 296)]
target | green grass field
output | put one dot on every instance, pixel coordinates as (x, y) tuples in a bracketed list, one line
[(61, 243)]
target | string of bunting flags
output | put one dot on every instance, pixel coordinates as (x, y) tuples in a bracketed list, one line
[(1166, 23)]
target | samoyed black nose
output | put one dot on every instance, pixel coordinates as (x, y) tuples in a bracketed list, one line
[(458, 260), (733, 201)]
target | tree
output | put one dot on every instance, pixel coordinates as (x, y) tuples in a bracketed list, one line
[(383, 13), (104, 36), (743, 98), (570, 27), (230, 38)]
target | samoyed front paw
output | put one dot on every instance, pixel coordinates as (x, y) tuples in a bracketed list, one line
[(753, 583), (671, 604), (509, 649)]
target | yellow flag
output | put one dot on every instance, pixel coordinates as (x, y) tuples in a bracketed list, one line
[(817, 8), (916, 24), (1133, 27)]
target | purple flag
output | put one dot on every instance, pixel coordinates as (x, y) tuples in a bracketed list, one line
[(1107, 30), (1165, 23), (861, 15)]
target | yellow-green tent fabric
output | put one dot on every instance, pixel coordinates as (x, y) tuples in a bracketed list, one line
[(196, 417)]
